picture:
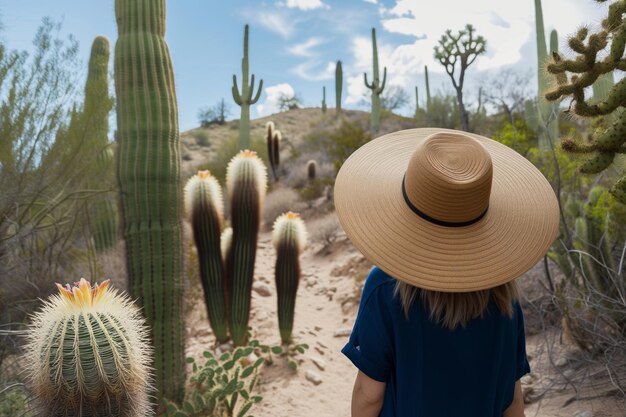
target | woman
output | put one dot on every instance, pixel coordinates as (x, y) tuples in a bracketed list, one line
[(450, 219)]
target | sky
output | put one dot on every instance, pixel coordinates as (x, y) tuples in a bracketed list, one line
[(294, 44)]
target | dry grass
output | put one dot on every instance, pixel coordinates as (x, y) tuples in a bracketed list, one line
[(278, 202)]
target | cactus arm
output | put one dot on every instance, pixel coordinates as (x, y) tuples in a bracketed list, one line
[(368, 85), (235, 90), (382, 87), (258, 93)]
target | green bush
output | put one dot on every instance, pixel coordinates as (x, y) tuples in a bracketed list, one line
[(201, 137)]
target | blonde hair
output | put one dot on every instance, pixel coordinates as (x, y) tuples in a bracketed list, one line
[(452, 309)]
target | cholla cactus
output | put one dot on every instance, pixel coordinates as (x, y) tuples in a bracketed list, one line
[(87, 354), (246, 182), (205, 208), (289, 238)]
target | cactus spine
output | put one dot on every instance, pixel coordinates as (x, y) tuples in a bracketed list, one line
[(311, 168), (377, 86), (88, 354), (246, 182), (289, 239), (149, 179), (205, 208), (103, 215), (245, 98), (324, 99), (427, 88), (338, 86)]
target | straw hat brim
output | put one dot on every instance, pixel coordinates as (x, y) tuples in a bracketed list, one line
[(521, 222)]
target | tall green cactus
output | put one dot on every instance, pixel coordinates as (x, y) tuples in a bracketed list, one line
[(338, 86), (428, 100), (87, 354), (324, 99), (148, 171), (377, 86), (103, 211), (205, 208), (289, 239), (244, 99), (246, 182), (417, 102), (542, 116)]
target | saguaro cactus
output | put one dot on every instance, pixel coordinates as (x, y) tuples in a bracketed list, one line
[(103, 212), (245, 98), (289, 239), (427, 87), (542, 116), (205, 208), (338, 86), (572, 77), (417, 102), (246, 182), (87, 354), (149, 178), (377, 86), (324, 99)]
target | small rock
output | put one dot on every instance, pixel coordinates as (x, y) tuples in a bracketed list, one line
[(527, 379), (318, 362), (583, 414), (317, 328), (347, 306), (319, 308), (313, 376), (322, 344), (223, 348), (318, 350), (569, 373), (343, 332), (262, 289), (561, 362)]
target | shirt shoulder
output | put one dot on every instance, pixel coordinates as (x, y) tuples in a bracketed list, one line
[(377, 281)]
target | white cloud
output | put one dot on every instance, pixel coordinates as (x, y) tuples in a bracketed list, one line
[(371, 1), (305, 48), (304, 4), (506, 25), (272, 95), (274, 21), (310, 70)]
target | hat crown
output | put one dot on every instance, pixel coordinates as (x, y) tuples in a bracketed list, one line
[(448, 178)]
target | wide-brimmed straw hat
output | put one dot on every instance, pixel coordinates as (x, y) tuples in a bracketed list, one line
[(446, 210)]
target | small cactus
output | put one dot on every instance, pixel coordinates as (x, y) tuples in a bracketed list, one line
[(269, 141), (311, 167), (278, 137), (246, 183), (324, 99), (205, 208), (289, 239), (338, 86), (87, 354), (428, 99)]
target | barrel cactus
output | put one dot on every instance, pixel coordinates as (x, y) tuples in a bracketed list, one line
[(205, 209), (289, 239), (311, 168), (87, 354), (246, 183), (148, 172)]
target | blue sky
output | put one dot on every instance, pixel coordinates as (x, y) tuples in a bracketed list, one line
[(295, 43)]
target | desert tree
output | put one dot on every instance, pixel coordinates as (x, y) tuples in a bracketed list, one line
[(507, 91), (462, 48)]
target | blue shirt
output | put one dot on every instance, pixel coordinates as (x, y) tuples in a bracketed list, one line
[(430, 370)]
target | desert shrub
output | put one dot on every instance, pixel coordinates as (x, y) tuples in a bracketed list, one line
[(278, 202), (325, 231), (517, 137), (222, 386), (314, 189), (227, 150), (297, 174), (201, 137)]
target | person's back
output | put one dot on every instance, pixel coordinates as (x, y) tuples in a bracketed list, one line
[(429, 369), (453, 218)]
